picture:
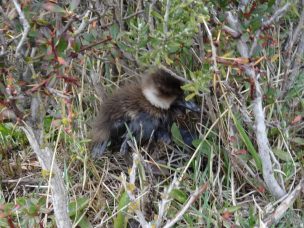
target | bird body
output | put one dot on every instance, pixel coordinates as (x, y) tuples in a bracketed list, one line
[(146, 107)]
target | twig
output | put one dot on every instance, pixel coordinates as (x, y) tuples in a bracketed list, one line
[(84, 22), (213, 48), (133, 14), (59, 194), (261, 135), (295, 35), (276, 16), (193, 197), (68, 24), (289, 79), (232, 32), (275, 217), (165, 202), (128, 189), (150, 19), (25, 25), (108, 38), (166, 17), (263, 145)]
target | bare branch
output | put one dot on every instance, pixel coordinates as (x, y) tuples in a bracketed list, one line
[(166, 17), (263, 144), (261, 135), (150, 19), (193, 197), (275, 217), (232, 32), (294, 68), (165, 202), (276, 16), (25, 24), (213, 49), (84, 22), (139, 213), (59, 194)]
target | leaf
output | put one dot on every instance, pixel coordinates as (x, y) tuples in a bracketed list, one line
[(248, 143), (61, 61), (177, 137), (76, 206), (74, 4), (42, 22), (256, 23), (190, 96), (179, 195), (297, 119), (231, 209), (173, 47), (298, 140), (84, 222), (270, 3), (114, 31), (53, 8), (119, 221), (282, 154), (168, 60), (188, 87), (205, 147), (62, 45)]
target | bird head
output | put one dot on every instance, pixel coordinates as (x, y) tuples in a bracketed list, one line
[(161, 89)]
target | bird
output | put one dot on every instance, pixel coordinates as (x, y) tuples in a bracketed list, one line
[(144, 109)]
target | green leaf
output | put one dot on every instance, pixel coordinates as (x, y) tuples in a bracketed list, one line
[(177, 137), (32, 209), (114, 31), (205, 148), (74, 4), (119, 221), (231, 209), (270, 3), (62, 45), (42, 22), (256, 23), (78, 205), (189, 87), (297, 140), (21, 201), (282, 154), (190, 96), (173, 47), (179, 195), (84, 222), (248, 143)]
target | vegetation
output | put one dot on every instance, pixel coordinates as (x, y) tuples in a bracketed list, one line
[(242, 62)]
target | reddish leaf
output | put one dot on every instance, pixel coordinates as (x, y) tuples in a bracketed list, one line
[(69, 79), (232, 138), (61, 61), (241, 152), (297, 119), (227, 215), (261, 189), (53, 8)]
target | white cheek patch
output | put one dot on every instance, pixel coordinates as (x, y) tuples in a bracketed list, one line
[(150, 95)]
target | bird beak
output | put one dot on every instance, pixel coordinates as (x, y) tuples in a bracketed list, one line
[(190, 105)]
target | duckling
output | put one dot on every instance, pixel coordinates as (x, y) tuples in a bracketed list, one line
[(144, 109)]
